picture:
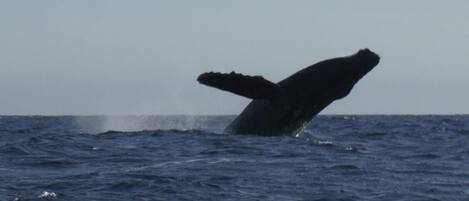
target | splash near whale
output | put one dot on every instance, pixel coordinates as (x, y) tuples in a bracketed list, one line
[(284, 108)]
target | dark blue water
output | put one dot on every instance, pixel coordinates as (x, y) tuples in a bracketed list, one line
[(189, 158)]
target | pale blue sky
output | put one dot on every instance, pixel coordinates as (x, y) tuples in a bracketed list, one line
[(142, 57)]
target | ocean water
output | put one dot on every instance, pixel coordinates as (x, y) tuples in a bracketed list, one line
[(190, 158)]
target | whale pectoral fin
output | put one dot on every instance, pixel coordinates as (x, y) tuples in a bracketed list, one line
[(255, 87)]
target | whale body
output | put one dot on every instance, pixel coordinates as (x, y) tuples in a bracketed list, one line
[(284, 108)]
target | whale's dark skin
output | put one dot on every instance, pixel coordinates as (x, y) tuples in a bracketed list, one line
[(286, 107)]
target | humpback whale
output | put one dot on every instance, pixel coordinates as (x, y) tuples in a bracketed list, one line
[(284, 108)]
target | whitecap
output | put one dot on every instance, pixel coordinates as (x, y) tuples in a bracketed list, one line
[(325, 142), (46, 194), (348, 148)]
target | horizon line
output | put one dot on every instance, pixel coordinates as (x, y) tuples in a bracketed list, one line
[(327, 114)]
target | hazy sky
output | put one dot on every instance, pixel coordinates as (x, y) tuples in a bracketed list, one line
[(142, 57)]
